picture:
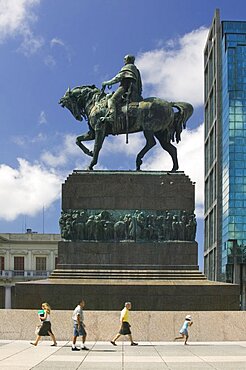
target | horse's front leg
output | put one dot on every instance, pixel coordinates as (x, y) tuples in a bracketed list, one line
[(90, 135), (150, 142), (99, 139)]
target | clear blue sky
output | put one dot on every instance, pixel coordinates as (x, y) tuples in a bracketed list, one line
[(48, 45)]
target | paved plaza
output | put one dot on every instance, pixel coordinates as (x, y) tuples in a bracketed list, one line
[(102, 355)]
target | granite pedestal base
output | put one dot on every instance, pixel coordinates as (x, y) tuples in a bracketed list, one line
[(153, 276), (168, 295), (156, 270)]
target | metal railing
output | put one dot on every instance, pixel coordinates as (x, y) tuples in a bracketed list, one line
[(24, 274)]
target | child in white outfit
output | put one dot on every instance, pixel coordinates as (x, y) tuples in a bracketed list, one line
[(184, 330)]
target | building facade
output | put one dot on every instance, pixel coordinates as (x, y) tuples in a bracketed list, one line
[(25, 257), (225, 151)]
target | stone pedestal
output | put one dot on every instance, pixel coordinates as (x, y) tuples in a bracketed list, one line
[(144, 260)]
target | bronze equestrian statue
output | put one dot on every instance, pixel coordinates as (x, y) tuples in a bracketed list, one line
[(126, 112)]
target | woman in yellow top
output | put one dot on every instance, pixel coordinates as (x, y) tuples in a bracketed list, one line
[(125, 326), (45, 329)]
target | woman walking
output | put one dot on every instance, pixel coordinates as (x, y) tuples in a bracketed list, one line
[(45, 329)]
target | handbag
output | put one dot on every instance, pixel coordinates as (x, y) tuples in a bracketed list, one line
[(37, 329)]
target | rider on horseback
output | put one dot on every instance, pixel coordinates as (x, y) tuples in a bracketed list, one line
[(130, 88)]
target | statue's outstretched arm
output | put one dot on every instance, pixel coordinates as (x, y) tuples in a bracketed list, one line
[(113, 81)]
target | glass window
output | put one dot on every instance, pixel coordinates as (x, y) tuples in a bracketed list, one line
[(1, 263), (239, 227), (19, 262), (206, 120), (206, 233), (211, 150), (238, 203), (210, 69), (41, 263), (206, 157), (211, 188), (211, 228), (211, 265), (206, 266), (211, 106), (206, 195), (206, 83)]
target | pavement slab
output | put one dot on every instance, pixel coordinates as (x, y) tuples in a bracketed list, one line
[(20, 355)]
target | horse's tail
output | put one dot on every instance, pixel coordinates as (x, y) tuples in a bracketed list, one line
[(185, 111)]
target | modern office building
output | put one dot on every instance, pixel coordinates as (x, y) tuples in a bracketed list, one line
[(225, 151)]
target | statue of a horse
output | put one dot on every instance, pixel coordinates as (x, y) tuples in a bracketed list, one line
[(155, 117)]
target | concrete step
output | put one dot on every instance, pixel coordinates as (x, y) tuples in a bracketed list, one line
[(120, 267), (130, 270), (149, 278), (125, 272), (128, 274)]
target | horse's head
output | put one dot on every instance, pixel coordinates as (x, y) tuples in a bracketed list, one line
[(70, 100), (76, 100)]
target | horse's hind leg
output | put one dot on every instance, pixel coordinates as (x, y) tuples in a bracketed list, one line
[(170, 148), (150, 142)]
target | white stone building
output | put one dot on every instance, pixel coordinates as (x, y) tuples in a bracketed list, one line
[(25, 257)]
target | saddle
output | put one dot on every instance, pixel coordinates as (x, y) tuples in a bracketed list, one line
[(121, 123)]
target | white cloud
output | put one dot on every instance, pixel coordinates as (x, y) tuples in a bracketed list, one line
[(16, 17), (118, 144), (42, 118), (27, 189), (49, 61), (27, 140), (55, 41), (19, 140), (62, 154), (40, 137), (191, 161), (54, 160), (175, 72), (31, 44), (96, 68)]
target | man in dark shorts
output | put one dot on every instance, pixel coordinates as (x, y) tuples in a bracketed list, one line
[(125, 326)]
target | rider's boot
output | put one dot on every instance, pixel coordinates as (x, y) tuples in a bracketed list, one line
[(111, 114)]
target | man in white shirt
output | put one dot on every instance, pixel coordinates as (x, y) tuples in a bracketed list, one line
[(79, 326), (125, 326)]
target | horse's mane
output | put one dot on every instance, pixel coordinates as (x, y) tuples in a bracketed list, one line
[(92, 87), (93, 93)]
